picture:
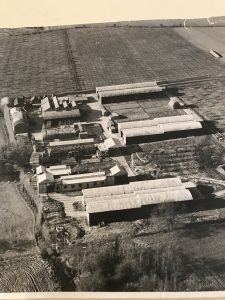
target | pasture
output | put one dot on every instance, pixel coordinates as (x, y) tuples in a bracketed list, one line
[(34, 64), (205, 38), (64, 61), (209, 99), (105, 56), (17, 223)]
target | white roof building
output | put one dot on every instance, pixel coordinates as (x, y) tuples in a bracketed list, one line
[(40, 170)]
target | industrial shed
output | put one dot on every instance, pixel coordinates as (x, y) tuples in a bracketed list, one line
[(161, 132), (44, 182), (57, 118), (133, 200), (160, 128), (125, 86), (127, 94), (59, 170), (19, 120), (81, 181)]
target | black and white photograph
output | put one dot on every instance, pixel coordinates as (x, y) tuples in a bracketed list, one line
[(112, 147)]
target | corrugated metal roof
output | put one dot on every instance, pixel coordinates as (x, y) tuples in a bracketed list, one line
[(113, 205), (158, 121), (108, 198), (52, 115), (174, 119), (86, 175), (190, 111), (137, 200), (181, 126), (131, 91), (156, 183), (126, 86), (132, 186), (143, 131), (136, 124), (58, 172), (84, 180), (71, 142), (167, 196)]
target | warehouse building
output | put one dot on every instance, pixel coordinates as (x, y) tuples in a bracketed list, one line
[(18, 120), (115, 93), (160, 128), (133, 200), (128, 94), (125, 86)]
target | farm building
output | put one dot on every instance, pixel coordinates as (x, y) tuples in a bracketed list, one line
[(64, 117), (45, 105), (159, 128), (78, 147), (127, 94), (18, 120), (125, 86), (81, 181), (59, 170), (133, 200), (44, 182), (40, 170), (59, 179)]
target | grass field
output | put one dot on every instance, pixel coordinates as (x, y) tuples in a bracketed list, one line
[(21, 267), (17, 222), (34, 64), (3, 136), (209, 99), (63, 61), (121, 55), (205, 38)]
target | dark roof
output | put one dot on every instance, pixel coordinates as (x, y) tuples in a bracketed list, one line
[(51, 115)]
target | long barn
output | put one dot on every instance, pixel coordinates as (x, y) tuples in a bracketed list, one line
[(117, 203), (123, 92)]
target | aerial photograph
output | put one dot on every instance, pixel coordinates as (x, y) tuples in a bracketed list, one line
[(112, 156)]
